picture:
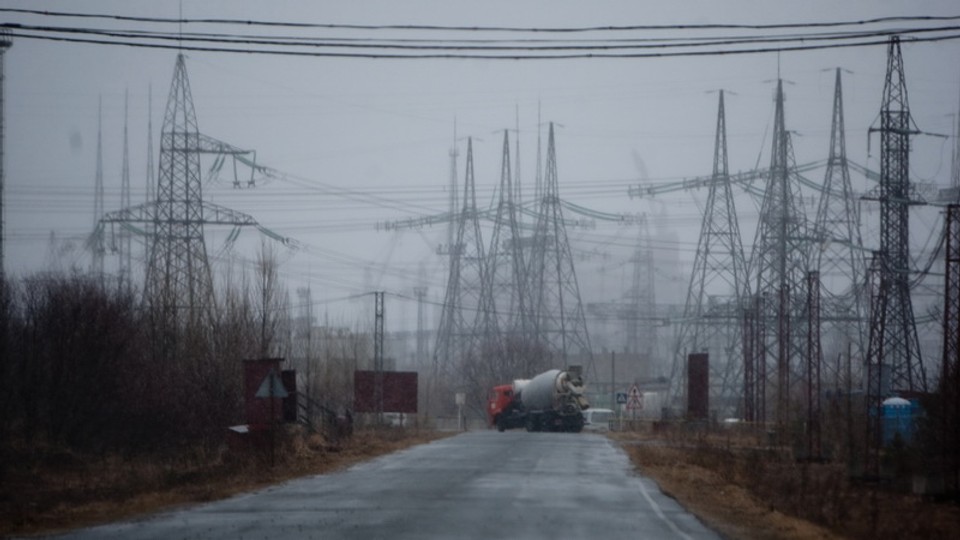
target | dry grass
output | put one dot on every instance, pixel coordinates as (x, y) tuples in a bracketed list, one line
[(744, 491), (53, 490)]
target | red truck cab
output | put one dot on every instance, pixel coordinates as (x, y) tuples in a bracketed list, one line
[(500, 402)]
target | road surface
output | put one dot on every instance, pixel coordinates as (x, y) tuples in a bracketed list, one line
[(481, 485)]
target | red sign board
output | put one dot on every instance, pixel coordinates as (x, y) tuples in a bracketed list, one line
[(399, 391), (259, 410)]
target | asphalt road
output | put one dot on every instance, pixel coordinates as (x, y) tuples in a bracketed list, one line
[(482, 485)]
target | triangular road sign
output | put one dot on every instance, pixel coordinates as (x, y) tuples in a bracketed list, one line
[(271, 386)]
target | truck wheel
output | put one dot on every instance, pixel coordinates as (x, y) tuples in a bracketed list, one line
[(501, 424)]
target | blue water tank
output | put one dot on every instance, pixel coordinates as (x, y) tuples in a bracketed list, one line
[(899, 416)]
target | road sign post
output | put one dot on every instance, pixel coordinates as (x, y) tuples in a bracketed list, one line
[(634, 401)]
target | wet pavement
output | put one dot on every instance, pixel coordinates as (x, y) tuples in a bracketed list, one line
[(475, 485)]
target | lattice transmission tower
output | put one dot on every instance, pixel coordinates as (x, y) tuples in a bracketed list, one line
[(179, 285), (506, 267), (462, 299), (560, 324), (718, 282), (893, 354), (839, 256), (778, 263)]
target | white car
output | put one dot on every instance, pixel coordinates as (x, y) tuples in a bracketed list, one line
[(597, 419)]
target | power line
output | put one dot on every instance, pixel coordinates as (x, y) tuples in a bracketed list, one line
[(420, 27), (485, 45), (526, 52)]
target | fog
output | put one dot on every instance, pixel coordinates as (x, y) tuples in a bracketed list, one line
[(366, 141)]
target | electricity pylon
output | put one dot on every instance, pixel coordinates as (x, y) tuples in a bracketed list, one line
[(560, 324), (711, 315), (894, 361), (506, 269), (839, 258), (462, 299), (894, 346), (779, 260), (179, 286)]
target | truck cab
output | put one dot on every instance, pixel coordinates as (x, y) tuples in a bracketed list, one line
[(500, 403)]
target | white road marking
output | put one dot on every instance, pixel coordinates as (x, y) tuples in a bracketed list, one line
[(660, 514)]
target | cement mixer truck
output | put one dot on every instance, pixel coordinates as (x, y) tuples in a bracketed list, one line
[(551, 401)]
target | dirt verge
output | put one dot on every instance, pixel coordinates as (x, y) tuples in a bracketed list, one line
[(748, 492), (53, 490)]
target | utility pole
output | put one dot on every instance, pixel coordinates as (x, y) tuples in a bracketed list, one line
[(5, 43), (378, 354), (454, 198), (151, 191), (126, 240), (305, 335), (96, 247), (754, 361), (151, 178), (421, 293), (814, 360)]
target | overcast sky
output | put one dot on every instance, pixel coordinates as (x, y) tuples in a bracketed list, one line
[(386, 127)]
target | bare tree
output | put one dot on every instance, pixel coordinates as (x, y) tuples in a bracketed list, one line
[(272, 302)]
